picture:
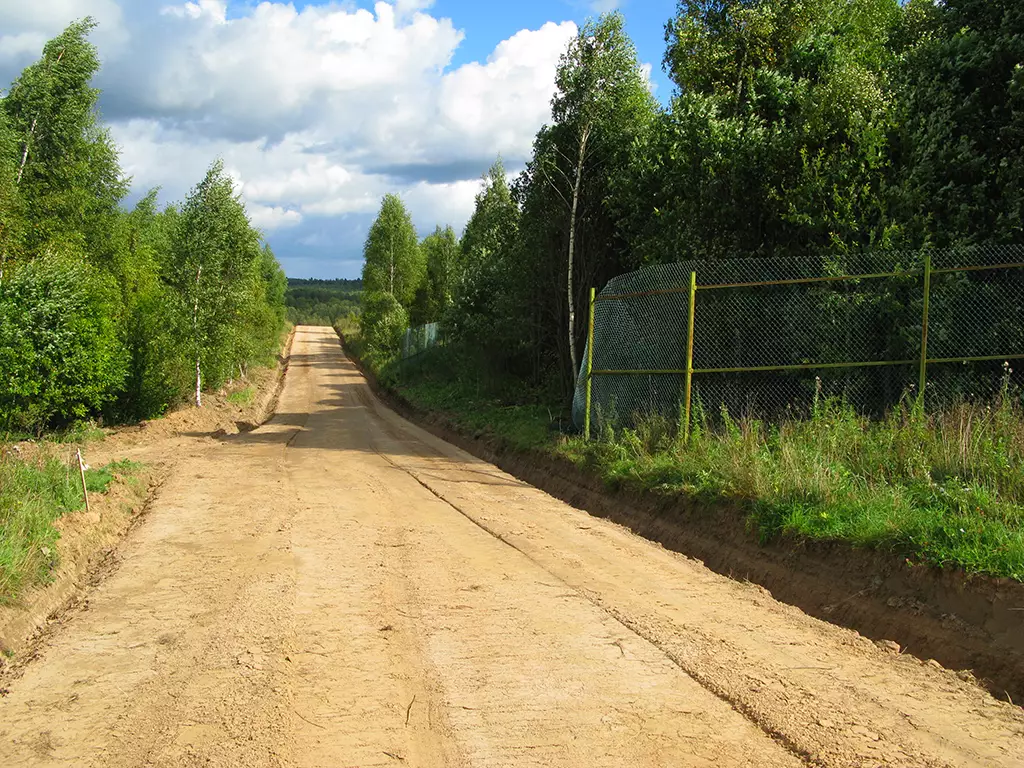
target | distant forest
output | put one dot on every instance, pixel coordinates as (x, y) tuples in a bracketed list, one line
[(322, 302)]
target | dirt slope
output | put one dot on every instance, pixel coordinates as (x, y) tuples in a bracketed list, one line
[(338, 588)]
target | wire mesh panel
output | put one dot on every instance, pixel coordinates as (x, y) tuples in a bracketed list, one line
[(640, 331), (976, 331), (771, 335), (419, 339)]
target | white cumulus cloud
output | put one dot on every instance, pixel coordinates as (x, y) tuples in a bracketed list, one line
[(317, 112)]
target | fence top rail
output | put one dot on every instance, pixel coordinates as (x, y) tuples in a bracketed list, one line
[(976, 268), (801, 366), (807, 280)]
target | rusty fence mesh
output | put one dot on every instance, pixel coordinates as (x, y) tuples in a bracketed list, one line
[(771, 335)]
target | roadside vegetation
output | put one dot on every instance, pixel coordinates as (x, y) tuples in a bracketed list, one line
[(797, 128), (942, 489), (34, 494), (108, 314)]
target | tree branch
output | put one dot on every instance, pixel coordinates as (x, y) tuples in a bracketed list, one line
[(555, 187)]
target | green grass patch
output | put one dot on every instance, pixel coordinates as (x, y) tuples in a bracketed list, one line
[(481, 407), (944, 490), (99, 480), (33, 496), (242, 396)]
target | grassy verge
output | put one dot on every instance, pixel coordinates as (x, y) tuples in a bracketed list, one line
[(943, 489), (498, 408), (34, 494), (242, 397)]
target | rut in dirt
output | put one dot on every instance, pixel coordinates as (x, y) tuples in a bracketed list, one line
[(338, 587)]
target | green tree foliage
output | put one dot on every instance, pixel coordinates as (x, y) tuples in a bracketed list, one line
[(394, 271), (11, 220), (777, 140), (381, 325), (441, 250), (394, 262), (60, 354), (67, 168), (486, 284), (157, 371), (961, 108), (213, 271)]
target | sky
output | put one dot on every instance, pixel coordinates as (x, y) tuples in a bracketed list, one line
[(320, 108)]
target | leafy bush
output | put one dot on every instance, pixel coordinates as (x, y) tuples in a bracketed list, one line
[(381, 325), (60, 354)]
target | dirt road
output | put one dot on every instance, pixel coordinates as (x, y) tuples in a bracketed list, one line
[(339, 588)]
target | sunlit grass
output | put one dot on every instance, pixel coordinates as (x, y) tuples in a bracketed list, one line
[(944, 489), (242, 396), (34, 494)]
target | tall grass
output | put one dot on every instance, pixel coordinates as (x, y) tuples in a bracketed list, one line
[(945, 489), (34, 494)]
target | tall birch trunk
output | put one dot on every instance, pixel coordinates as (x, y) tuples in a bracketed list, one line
[(195, 333), (571, 262), (32, 131)]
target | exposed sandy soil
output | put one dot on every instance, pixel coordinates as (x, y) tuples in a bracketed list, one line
[(88, 541), (340, 588), (967, 622)]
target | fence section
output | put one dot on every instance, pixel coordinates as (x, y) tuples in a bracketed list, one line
[(765, 336), (418, 340)]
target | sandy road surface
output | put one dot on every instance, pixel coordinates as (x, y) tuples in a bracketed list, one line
[(339, 588)]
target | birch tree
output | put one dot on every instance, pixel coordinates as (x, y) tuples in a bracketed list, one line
[(481, 315), (10, 219), (394, 262), (441, 249), (601, 103), (215, 254), (67, 170)]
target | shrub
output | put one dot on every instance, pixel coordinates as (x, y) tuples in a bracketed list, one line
[(381, 325), (60, 355)]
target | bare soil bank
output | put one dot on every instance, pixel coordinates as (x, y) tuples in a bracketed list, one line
[(969, 623), (87, 548)]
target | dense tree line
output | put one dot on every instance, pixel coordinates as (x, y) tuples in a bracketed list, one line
[(322, 302), (797, 127), (103, 310)]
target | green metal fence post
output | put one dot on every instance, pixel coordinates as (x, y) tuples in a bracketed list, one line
[(923, 372), (590, 364), (689, 354)]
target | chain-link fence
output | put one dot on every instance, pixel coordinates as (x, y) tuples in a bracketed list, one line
[(418, 340), (764, 337)]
